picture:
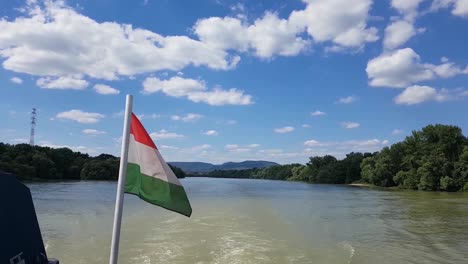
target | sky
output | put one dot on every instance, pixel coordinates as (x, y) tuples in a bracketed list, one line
[(222, 80)]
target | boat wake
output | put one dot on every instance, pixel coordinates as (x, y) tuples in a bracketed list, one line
[(348, 247)]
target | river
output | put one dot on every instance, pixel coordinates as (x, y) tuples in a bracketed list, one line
[(256, 221)]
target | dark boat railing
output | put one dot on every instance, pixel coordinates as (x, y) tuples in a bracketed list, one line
[(20, 236)]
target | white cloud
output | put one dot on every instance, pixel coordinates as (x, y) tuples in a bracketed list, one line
[(211, 133), (168, 147), (54, 40), (459, 7), (16, 80), (342, 22), (403, 67), (147, 116), (267, 36), (234, 148), (350, 125), (318, 113), (196, 91), (191, 117), (175, 86), (237, 149), (408, 8), (62, 83), (397, 132), (402, 28), (312, 143), (417, 94), (398, 33), (218, 96), (80, 116), (447, 69), (105, 89), (347, 100), (93, 132), (283, 130), (340, 148), (164, 134), (305, 125), (231, 146)]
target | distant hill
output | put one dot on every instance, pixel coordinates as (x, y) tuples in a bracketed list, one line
[(194, 166), (200, 167)]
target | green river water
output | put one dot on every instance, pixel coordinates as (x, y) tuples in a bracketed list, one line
[(256, 221)]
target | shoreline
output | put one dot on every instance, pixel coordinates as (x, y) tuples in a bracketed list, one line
[(360, 184)]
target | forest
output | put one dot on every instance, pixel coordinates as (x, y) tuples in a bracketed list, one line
[(434, 158), (44, 163)]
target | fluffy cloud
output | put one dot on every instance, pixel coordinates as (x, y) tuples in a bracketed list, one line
[(397, 132), (459, 7), (196, 91), (16, 80), (80, 116), (93, 132), (283, 130), (211, 133), (350, 125), (347, 100), (403, 67), (191, 117), (408, 8), (402, 28), (417, 94), (267, 36), (164, 134), (64, 47), (62, 83), (318, 113), (54, 40), (105, 89), (342, 22), (398, 33)]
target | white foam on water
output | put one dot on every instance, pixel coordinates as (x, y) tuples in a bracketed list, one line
[(347, 246)]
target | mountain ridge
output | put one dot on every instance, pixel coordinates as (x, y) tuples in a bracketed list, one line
[(201, 167)]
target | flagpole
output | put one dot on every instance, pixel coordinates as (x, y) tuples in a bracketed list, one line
[(114, 253)]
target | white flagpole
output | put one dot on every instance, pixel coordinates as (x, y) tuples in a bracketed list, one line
[(114, 254)]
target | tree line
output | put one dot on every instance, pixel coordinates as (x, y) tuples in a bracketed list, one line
[(44, 163), (432, 159)]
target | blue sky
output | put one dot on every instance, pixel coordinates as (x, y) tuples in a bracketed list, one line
[(219, 80)]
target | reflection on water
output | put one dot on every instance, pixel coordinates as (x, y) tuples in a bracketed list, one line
[(256, 221)]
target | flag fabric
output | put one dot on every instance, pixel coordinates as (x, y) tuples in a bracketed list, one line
[(148, 175)]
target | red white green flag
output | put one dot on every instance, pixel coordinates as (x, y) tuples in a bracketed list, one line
[(148, 175)]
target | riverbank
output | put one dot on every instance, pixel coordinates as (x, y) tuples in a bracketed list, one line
[(360, 184)]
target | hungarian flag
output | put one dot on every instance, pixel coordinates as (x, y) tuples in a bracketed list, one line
[(148, 175)]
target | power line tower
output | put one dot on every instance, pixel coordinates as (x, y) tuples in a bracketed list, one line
[(33, 126)]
